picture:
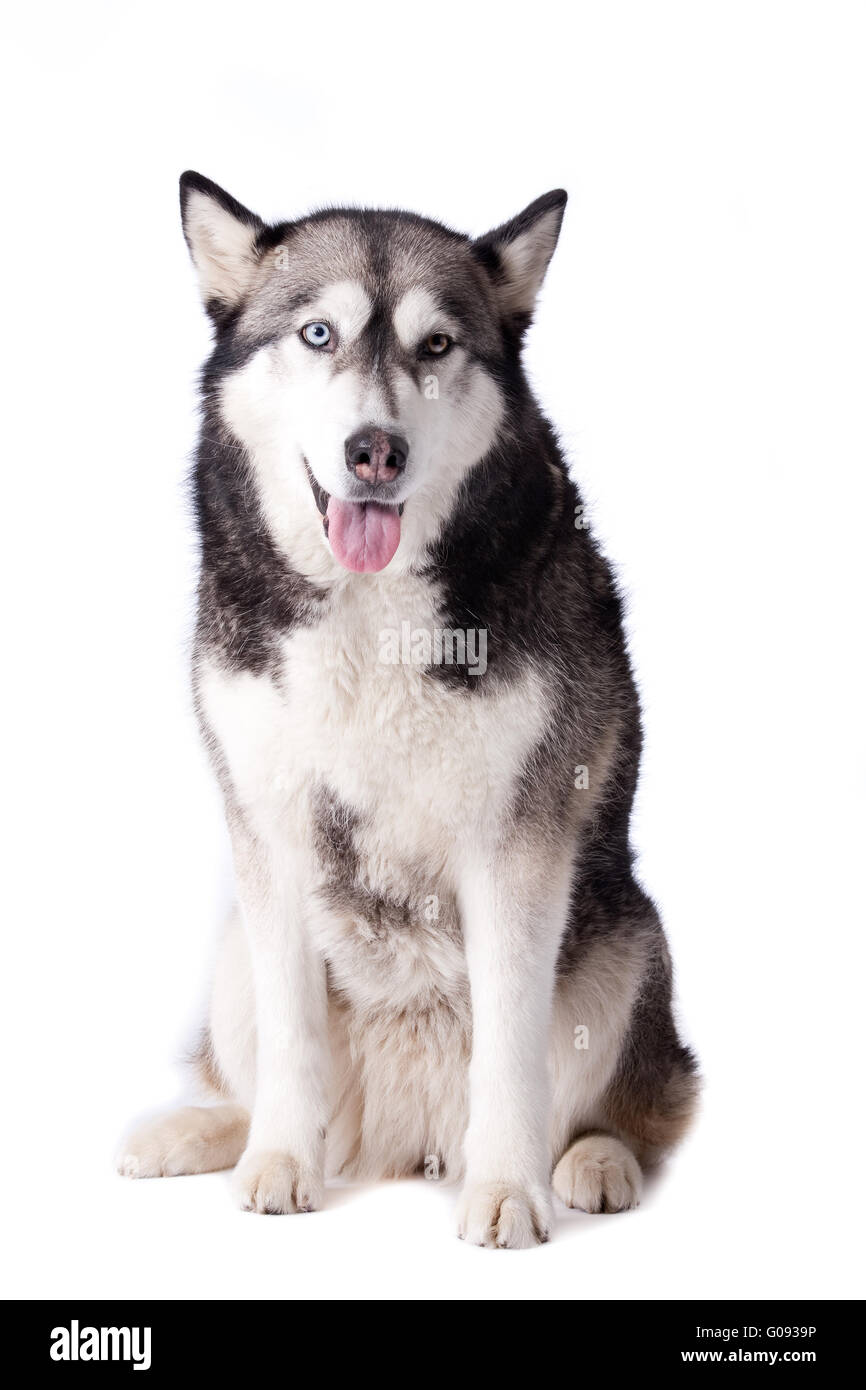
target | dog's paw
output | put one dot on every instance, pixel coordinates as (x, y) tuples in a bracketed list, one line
[(598, 1174), (503, 1216), (196, 1139), (274, 1183)]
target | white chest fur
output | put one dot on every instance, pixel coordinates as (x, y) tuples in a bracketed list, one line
[(425, 768)]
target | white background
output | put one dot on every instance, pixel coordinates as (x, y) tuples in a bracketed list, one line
[(700, 344)]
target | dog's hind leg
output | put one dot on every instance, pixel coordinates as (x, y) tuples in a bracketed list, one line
[(625, 1087), (206, 1138), (595, 996), (196, 1139)]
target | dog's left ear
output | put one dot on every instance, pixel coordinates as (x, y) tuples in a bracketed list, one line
[(517, 254), (222, 236)]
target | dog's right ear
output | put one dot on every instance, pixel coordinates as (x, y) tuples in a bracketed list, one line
[(222, 236)]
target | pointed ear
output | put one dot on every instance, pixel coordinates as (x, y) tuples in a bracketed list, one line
[(222, 236), (517, 254)]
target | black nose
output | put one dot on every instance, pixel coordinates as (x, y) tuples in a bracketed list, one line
[(375, 456)]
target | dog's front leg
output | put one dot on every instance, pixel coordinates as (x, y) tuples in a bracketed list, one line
[(513, 909), (282, 1168)]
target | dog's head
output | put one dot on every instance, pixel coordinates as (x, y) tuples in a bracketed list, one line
[(361, 361)]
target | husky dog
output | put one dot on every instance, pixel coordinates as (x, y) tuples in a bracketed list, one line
[(441, 961)]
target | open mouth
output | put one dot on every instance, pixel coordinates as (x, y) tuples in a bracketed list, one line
[(363, 535)]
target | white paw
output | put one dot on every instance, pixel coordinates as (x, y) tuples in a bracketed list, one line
[(274, 1183), (504, 1216), (598, 1174), (196, 1139)]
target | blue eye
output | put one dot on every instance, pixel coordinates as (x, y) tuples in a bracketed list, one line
[(316, 334)]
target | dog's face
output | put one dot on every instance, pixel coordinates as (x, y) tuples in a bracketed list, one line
[(361, 361)]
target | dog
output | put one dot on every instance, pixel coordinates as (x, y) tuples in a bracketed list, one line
[(411, 677)]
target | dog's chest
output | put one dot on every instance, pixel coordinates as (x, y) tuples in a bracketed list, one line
[(379, 774)]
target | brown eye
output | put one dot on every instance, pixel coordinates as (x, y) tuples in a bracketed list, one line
[(436, 344)]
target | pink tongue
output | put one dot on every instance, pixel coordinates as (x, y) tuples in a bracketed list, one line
[(363, 535)]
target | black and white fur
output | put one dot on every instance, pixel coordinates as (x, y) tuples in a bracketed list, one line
[(432, 906)]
